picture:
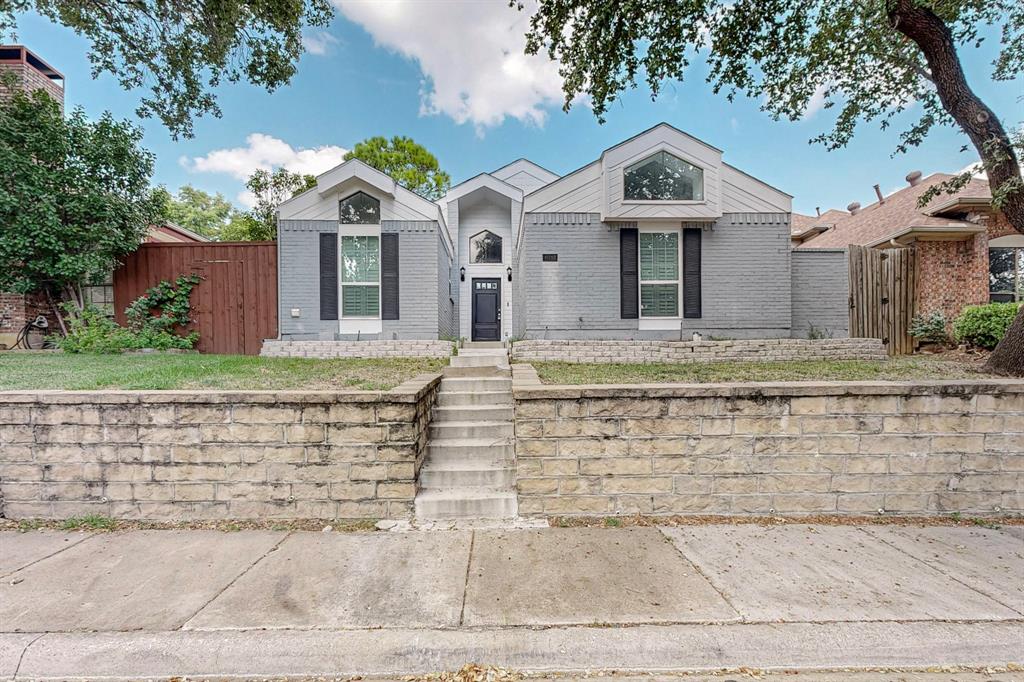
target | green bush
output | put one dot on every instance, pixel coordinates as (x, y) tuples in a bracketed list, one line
[(929, 328), (91, 331), (984, 325)]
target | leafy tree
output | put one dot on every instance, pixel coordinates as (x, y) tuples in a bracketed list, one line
[(182, 50), (74, 196), (204, 213), (405, 160), (270, 189), (873, 60)]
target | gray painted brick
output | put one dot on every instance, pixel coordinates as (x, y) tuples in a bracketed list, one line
[(821, 289)]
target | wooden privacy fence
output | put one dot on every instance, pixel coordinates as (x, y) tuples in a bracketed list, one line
[(882, 296), (235, 306)]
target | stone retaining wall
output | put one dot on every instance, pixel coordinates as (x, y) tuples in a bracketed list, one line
[(209, 455), (273, 348), (858, 448), (762, 350)]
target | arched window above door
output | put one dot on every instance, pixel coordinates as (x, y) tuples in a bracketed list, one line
[(485, 247)]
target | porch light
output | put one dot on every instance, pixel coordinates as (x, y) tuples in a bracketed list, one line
[(509, 271), (462, 274)]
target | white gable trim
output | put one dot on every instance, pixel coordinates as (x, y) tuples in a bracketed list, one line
[(484, 180), (525, 166)]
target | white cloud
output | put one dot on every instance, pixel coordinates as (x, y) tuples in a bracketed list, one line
[(471, 56), (264, 152), (816, 103), (318, 42)]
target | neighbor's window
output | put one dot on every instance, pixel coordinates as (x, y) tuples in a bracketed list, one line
[(360, 276), (485, 248), (663, 177), (359, 209), (1006, 275), (659, 274)]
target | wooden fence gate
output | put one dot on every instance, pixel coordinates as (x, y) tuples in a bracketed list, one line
[(235, 306), (882, 285)]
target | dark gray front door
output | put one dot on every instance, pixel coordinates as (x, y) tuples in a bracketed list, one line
[(487, 309)]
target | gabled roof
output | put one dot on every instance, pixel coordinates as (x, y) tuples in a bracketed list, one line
[(899, 216), (803, 224), (480, 181), (354, 169), (524, 165)]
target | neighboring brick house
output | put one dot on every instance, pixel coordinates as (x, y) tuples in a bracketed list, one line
[(966, 252)]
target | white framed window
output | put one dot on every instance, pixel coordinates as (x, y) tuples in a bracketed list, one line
[(660, 283), (360, 272), (1006, 274), (662, 177)]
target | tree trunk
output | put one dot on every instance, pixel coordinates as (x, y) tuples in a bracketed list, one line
[(931, 34)]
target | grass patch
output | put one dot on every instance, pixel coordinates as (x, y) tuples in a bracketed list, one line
[(42, 370), (88, 522), (895, 369)]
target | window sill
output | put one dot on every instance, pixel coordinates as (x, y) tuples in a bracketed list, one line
[(659, 323), (361, 325)]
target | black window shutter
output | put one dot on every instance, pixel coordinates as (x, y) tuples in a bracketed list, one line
[(629, 276), (389, 276), (328, 276), (691, 272)]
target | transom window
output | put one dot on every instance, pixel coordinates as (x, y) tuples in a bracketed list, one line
[(359, 209), (485, 248), (1006, 275), (663, 177), (360, 276), (659, 274)]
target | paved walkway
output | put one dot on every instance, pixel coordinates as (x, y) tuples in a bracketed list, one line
[(209, 603)]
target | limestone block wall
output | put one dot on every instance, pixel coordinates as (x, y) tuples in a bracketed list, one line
[(761, 350), (210, 455), (273, 348), (858, 448)]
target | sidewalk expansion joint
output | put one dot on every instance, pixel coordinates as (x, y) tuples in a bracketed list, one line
[(465, 584), (24, 651), (937, 569), (701, 573), (236, 579), (48, 556)]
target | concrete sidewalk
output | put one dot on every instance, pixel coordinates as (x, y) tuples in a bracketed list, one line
[(152, 604)]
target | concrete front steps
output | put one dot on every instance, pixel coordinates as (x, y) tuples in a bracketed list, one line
[(469, 469)]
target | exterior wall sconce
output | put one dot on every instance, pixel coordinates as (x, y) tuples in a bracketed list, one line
[(509, 271), (462, 274)]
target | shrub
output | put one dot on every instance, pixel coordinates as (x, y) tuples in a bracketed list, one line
[(91, 331), (984, 325), (929, 328)]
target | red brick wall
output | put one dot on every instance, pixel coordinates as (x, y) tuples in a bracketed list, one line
[(952, 275), (29, 78)]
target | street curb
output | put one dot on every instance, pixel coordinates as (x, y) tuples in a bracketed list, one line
[(671, 648)]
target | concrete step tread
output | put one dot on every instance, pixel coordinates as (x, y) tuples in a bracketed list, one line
[(467, 465), (438, 443), (474, 493), (449, 409), (482, 422)]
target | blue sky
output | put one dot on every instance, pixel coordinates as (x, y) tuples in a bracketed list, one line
[(450, 74)]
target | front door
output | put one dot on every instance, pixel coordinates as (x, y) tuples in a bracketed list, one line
[(487, 309)]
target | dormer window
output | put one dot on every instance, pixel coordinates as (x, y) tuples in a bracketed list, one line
[(485, 247), (359, 209), (663, 177)]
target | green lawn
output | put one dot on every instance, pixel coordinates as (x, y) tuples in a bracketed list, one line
[(812, 370), (42, 370)]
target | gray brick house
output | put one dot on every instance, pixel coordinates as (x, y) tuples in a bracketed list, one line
[(657, 238)]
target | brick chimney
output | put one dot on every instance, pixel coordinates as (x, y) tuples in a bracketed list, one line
[(29, 72)]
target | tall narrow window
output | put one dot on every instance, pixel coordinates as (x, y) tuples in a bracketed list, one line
[(359, 209), (659, 274), (485, 248), (1006, 275), (360, 276), (663, 177)]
